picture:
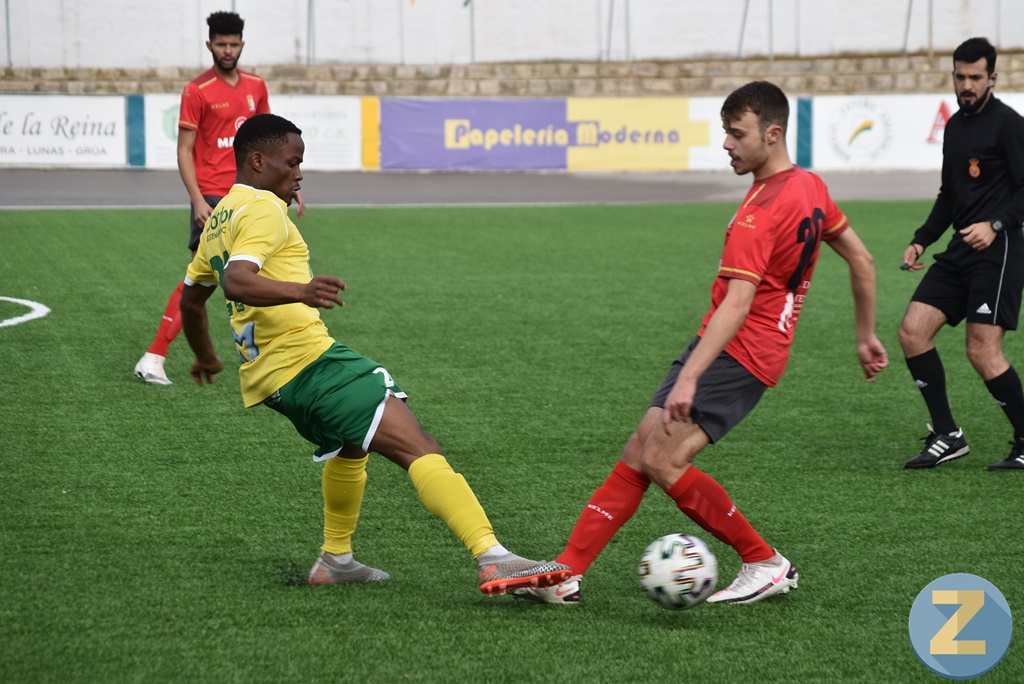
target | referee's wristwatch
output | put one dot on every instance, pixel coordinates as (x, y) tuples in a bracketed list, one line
[(997, 225)]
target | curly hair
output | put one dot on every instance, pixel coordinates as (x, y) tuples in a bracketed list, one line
[(225, 24)]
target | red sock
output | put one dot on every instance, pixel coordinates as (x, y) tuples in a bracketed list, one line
[(707, 503), (170, 324), (610, 506)]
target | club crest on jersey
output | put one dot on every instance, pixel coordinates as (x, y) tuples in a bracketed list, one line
[(747, 222), (975, 170), (252, 103)]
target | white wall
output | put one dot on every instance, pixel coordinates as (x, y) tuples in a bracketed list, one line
[(153, 33)]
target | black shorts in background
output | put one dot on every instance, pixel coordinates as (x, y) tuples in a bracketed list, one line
[(983, 287), (196, 230)]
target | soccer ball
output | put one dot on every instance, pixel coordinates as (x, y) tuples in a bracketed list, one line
[(678, 571)]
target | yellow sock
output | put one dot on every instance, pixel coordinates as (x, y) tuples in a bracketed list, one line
[(447, 495), (344, 481)]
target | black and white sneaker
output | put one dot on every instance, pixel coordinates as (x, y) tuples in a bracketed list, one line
[(939, 449), (1015, 461)]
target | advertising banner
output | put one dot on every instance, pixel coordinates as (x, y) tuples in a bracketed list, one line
[(331, 128), (62, 130), (161, 114), (635, 134), (575, 134), (875, 132), (495, 134)]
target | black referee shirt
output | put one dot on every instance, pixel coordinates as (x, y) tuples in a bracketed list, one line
[(982, 173)]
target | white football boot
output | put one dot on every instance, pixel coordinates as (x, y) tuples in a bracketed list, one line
[(150, 369), (758, 581), (565, 594)]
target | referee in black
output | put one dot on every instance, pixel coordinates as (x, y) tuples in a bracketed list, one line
[(980, 276)]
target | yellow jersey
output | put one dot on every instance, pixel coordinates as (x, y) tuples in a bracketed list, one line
[(274, 343)]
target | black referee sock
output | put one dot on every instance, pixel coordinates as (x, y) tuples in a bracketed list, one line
[(1007, 390), (930, 377)]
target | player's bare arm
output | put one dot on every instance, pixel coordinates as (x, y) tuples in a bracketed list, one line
[(243, 283), (979, 235), (722, 327), (187, 170), (870, 352), (196, 326)]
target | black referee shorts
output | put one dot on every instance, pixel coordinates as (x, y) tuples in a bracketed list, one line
[(983, 287)]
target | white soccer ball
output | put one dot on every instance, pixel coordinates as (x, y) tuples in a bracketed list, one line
[(678, 571)]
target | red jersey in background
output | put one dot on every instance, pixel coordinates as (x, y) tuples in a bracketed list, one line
[(215, 110)]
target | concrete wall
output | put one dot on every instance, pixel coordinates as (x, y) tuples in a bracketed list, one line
[(132, 34), (838, 75)]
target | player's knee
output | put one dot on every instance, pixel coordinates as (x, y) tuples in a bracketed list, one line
[(914, 339), (985, 357), (428, 445), (420, 444), (405, 447), (908, 337), (633, 452), (657, 467)]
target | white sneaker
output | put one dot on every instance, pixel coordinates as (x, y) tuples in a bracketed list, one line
[(150, 369), (565, 594), (758, 581)]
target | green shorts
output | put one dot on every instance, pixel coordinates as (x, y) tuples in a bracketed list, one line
[(338, 398)]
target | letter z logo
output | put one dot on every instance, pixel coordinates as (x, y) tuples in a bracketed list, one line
[(944, 642), (960, 626)]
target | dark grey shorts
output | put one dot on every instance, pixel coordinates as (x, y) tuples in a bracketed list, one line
[(196, 230), (726, 393)]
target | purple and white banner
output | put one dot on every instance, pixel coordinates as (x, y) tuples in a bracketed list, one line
[(576, 134), (494, 134)]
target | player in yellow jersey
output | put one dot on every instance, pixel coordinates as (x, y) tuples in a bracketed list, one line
[(344, 403)]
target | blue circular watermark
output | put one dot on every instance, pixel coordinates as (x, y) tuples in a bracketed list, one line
[(960, 626)]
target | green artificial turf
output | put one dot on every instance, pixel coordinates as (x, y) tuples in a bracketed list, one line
[(163, 534)]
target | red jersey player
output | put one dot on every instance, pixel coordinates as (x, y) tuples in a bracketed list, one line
[(212, 109), (213, 106), (771, 248)]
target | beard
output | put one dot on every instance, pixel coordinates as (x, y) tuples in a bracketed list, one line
[(972, 107)]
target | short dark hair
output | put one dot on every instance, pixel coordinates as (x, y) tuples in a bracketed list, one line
[(973, 49), (764, 99), (261, 133), (225, 24)]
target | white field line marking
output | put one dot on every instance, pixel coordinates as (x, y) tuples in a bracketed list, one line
[(37, 311)]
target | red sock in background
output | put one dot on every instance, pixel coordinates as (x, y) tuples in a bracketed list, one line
[(707, 503), (610, 506), (170, 325)]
